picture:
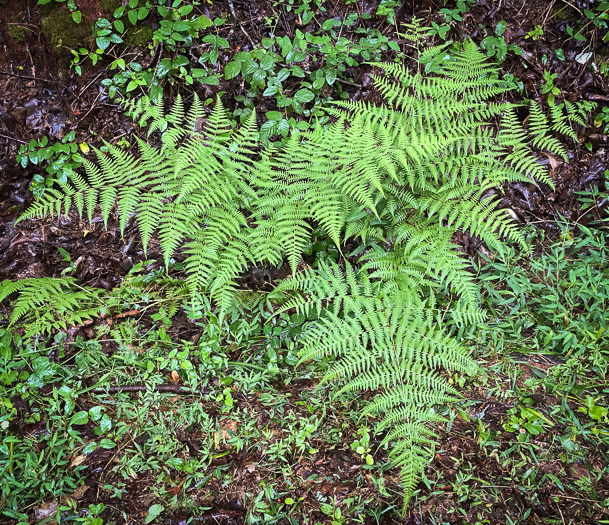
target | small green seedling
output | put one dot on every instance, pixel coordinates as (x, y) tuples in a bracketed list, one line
[(362, 446)]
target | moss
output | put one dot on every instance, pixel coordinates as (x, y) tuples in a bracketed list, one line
[(63, 32), (110, 5), (561, 13), (140, 36), (16, 32)]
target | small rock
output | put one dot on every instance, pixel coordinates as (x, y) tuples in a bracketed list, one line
[(6, 119), (57, 125), (46, 510), (19, 114), (33, 116), (126, 263)]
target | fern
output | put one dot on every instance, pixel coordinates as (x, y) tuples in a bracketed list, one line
[(47, 304), (415, 32), (567, 112), (540, 128), (426, 157), (401, 179), (386, 340)]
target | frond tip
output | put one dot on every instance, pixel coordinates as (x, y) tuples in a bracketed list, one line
[(45, 304), (388, 344)]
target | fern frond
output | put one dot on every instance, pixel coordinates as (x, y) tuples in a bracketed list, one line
[(195, 113), (540, 128), (389, 344), (45, 304), (403, 178)]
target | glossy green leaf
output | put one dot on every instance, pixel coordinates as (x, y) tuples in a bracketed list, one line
[(303, 95)]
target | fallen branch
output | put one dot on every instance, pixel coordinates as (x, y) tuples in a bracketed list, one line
[(234, 13), (29, 77), (12, 138), (172, 389)]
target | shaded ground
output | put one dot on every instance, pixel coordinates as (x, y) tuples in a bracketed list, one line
[(480, 472)]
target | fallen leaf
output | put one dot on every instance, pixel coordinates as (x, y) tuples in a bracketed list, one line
[(78, 460), (554, 163), (46, 510), (226, 425), (75, 496)]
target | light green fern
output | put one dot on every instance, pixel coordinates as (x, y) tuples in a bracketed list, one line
[(401, 179), (47, 304), (426, 157), (388, 340), (566, 113)]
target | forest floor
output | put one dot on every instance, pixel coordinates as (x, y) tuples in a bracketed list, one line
[(521, 448)]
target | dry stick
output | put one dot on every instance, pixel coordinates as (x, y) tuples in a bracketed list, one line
[(156, 60), (360, 14), (89, 84), (121, 447), (349, 83), (29, 77), (600, 98), (547, 13), (233, 12), (93, 106), (572, 497), (561, 516), (12, 138), (571, 5), (173, 389)]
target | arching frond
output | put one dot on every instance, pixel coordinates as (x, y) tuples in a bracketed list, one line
[(398, 180)]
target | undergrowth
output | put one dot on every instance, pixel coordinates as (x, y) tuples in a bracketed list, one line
[(394, 182)]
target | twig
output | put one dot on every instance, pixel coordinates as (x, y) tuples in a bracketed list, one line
[(89, 84), (547, 13), (93, 106), (234, 13), (573, 498), (571, 5), (561, 516), (29, 77), (128, 442), (600, 98), (12, 138), (156, 62), (349, 83), (363, 20), (173, 389)]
